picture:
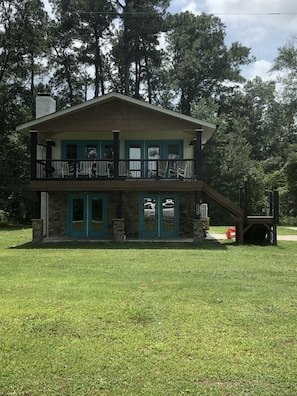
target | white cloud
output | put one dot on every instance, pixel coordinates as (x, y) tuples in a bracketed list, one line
[(257, 20), (261, 68)]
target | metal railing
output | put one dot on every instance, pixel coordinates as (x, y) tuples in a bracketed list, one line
[(180, 169)]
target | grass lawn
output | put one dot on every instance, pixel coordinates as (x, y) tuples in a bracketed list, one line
[(147, 319), (281, 230)]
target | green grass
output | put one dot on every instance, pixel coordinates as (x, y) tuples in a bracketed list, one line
[(146, 319), (281, 230)]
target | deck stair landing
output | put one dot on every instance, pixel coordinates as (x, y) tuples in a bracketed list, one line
[(249, 226)]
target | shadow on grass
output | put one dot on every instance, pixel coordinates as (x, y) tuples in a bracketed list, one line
[(206, 245), (14, 227)]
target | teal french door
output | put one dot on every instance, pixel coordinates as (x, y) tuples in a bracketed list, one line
[(80, 149), (87, 215), (143, 156), (158, 215)]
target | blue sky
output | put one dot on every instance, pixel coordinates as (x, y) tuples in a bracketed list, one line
[(262, 25)]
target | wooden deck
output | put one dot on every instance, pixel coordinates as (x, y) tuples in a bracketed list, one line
[(268, 223)]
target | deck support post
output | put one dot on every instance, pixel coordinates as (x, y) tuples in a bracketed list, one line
[(274, 235), (198, 154), (239, 231), (33, 154)]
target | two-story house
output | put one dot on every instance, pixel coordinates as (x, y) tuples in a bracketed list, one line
[(115, 167)]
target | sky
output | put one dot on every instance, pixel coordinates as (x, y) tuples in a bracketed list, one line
[(261, 25)]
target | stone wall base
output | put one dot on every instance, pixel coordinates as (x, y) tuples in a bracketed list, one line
[(37, 230), (119, 230), (205, 222), (198, 232)]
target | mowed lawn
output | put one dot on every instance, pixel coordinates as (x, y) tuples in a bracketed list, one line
[(147, 319)]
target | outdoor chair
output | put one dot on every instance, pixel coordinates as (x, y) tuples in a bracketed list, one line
[(85, 168), (162, 169), (102, 169)]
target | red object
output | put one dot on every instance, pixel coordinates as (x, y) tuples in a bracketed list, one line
[(231, 233)]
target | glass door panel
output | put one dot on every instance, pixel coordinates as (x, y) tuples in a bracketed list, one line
[(87, 215), (153, 155), (173, 155), (168, 215), (97, 215), (135, 161), (149, 215), (108, 156), (71, 151), (76, 224), (158, 215)]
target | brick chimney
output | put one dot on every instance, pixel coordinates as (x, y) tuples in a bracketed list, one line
[(45, 105)]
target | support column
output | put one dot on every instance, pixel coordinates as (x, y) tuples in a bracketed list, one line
[(116, 155), (239, 230), (198, 232), (48, 168), (36, 204), (275, 215), (198, 154), (119, 230), (119, 205), (33, 154), (37, 230)]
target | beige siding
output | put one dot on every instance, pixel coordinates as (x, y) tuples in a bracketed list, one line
[(125, 136)]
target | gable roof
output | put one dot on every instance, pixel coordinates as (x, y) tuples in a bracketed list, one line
[(121, 105)]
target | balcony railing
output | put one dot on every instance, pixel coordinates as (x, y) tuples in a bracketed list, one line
[(108, 169)]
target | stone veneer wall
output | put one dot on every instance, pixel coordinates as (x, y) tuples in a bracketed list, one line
[(57, 218), (186, 214), (198, 232), (58, 213), (37, 230), (130, 213), (119, 230)]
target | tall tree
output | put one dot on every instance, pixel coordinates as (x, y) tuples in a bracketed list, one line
[(136, 51), (94, 23), (201, 62), (67, 79), (9, 39), (80, 37), (286, 62), (33, 28), (21, 47), (291, 172)]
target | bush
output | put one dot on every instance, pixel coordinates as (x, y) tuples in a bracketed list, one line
[(288, 221)]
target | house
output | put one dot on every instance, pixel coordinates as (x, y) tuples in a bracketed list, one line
[(114, 168)]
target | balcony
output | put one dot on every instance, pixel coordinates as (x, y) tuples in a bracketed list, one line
[(110, 170)]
